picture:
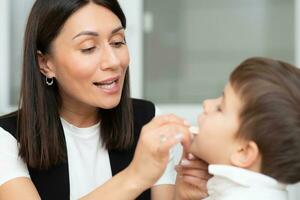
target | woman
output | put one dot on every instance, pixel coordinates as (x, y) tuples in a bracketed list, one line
[(77, 128)]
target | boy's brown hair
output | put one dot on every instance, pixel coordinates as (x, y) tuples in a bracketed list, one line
[(270, 114)]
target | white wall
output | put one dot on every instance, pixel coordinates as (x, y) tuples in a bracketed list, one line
[(133, 10), (4, 55), (294, 190), (297, 32)]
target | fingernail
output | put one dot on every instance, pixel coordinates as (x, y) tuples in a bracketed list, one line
[(191, 156), (185, 162), (178, 136)]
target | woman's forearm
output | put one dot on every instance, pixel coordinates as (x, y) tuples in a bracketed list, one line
[(165, 192), (123, 185)]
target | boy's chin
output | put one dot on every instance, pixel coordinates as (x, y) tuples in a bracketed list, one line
[(194, 150)]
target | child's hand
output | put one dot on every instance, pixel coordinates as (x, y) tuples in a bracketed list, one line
[(192, 176)]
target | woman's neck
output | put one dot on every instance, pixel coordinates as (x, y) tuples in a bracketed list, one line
[(80, 117)]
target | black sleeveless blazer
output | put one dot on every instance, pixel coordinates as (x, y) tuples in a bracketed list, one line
[(53, 184)]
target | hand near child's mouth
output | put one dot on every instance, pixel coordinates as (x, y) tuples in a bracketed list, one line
[(194, 129)]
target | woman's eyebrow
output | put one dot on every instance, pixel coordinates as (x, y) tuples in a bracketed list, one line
[(117, 29), (95, 34), (91, 33)]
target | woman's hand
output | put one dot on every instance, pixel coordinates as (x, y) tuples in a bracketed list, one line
[(152, 151), (192, 177), (149, 161)]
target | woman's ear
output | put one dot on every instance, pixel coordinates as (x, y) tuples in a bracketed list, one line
[(46, 68), (246, 155)]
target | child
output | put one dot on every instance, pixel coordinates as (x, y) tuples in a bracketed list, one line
[(250, 136)]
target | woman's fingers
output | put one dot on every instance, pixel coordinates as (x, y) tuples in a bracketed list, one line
[(193, 171), (190, 188), (194, 163), (164, 119), (199, 183), (172, 129), (152, 151), (171, 134), (202, 174)]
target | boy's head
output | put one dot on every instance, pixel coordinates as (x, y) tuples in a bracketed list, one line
[(255, 124)]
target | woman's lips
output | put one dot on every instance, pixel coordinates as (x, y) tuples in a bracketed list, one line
[(109, 86), (108, 80)]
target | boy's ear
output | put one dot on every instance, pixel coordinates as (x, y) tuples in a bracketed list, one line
[(46, 67), (245, 155)]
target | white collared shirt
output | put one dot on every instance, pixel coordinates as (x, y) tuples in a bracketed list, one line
[(233, 183)]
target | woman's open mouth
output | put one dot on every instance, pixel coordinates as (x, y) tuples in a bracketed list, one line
[(109, 86)]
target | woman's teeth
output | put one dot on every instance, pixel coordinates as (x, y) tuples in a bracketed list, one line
[(106, 85)]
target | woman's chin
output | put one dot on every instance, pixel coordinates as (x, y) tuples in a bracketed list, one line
[(109, 104)]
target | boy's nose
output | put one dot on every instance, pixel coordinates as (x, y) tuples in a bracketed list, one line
[(205, 106), (209, 105)]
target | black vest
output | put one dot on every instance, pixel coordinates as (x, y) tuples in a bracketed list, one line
[(53, 184)]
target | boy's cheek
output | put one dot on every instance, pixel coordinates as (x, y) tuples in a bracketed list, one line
[(200, 119), (193, 146)]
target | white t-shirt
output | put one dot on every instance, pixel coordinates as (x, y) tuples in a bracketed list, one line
[(89, 164)]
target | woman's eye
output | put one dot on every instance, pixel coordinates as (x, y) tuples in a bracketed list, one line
[(219, 109), (88, 50), (118, 44)]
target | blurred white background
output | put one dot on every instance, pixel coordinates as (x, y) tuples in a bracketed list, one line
[(182, 51)]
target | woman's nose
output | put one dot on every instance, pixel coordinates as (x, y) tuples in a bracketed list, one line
[(109, 59)]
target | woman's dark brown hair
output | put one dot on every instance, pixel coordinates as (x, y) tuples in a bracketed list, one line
[(39, 128), (270, 114)]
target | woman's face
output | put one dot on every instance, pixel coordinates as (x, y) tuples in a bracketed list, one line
[(89, 59), (218, 124)]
